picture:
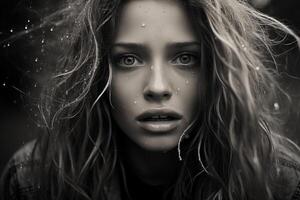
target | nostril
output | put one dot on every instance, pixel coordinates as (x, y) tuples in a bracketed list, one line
[(151, 95)]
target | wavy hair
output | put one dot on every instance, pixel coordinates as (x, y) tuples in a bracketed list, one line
[(232, 144)]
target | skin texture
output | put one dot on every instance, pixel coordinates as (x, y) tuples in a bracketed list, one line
[(155, 65), (157, 77)]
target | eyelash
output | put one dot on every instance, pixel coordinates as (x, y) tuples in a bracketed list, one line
[(193, 59), (120, 60)]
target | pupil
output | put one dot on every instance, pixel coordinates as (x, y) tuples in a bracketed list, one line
[(129, 60), (185, 59)]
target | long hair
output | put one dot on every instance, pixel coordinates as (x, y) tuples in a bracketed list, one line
[(232, 144)]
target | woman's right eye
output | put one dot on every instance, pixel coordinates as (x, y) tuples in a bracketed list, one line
[(129, 61)]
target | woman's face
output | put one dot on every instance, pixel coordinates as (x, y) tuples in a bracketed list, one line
[(155, 73)]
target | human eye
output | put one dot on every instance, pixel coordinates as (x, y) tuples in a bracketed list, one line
[(128, 60), (185, 59)]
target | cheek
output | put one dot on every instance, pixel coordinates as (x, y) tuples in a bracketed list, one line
[(189, 95), (124, 92)]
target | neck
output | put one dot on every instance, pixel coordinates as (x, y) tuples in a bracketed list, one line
[(152, 167)]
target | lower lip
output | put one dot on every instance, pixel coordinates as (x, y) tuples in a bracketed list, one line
[(159, 126)]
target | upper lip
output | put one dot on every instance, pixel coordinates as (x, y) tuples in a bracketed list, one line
[(157, 112)]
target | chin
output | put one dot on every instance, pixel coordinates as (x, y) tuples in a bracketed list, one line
[(159, 144)]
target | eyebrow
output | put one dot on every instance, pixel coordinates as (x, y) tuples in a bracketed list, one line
[(142, 47)]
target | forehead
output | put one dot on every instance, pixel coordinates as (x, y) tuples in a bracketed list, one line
[(142, 20)]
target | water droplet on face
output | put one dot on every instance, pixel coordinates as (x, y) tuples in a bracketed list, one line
[(276, 106), (143, 25)]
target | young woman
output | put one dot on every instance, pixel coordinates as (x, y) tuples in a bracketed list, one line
[(160, 100)]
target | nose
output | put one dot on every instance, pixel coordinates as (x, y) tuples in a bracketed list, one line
[(157, 87)]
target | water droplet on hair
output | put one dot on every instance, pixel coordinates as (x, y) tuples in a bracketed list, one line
[(28, 20), (186, 136), (4, 84), (244, 47), (43, 41), (36, 60), (51, 29), (26, 27), (11, 30), (8, 45), (143, 25), (276, 106)]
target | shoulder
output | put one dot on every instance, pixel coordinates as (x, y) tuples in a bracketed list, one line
[(17, 180), (286, 178)]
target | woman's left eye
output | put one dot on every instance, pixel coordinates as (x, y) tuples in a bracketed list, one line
[(185, 59)]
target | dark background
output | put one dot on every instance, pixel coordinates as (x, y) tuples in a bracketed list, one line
[(25, 65)]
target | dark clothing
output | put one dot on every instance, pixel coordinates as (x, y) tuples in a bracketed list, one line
[(17, 182)]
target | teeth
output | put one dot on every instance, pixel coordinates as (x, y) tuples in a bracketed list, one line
[(159, 117)]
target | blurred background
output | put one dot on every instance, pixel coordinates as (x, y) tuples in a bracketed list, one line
[(26, 62)]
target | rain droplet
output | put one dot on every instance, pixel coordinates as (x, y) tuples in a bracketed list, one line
[(51, 29), (257, 68), (35, 85), (43, 41), (4, 84), (244, 47), (276, 106), (143, 25), (11, 30), (36, 60), (8, 44), (28, 20), (26, 27)]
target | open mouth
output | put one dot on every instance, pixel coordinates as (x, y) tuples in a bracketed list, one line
[(159, 120)]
